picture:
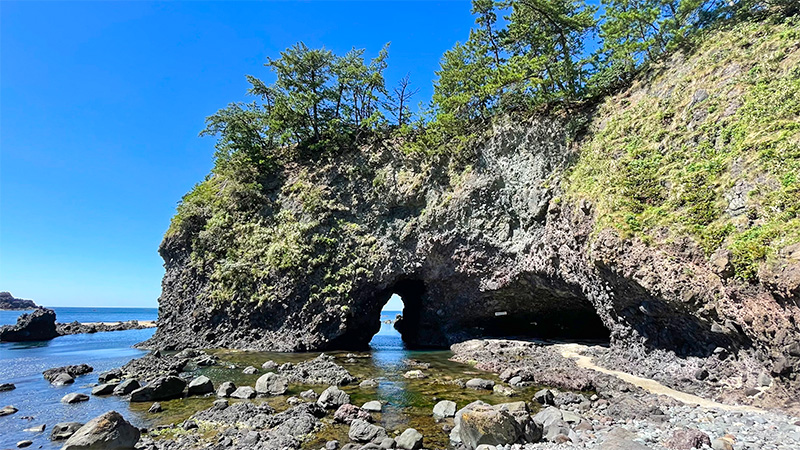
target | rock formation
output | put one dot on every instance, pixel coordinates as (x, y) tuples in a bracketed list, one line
[(8, 302), (39, 325)]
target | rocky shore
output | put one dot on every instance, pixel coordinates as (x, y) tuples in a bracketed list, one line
[(41, 325)]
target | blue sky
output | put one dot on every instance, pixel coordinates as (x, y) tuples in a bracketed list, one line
[(100, 108)]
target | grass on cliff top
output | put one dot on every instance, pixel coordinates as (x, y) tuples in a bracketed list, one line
[(674, 151)]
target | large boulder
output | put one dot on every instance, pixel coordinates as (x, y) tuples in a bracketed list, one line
[(107, 432), (163, 388), (126, 387), (363, 431), (410, 439), (444, 408), (244, 392), (200, 385), (272, 384), (507, 423), (333, 397), (226, 389), (39, 325)]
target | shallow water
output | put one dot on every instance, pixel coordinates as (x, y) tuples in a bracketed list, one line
[(407, 403)]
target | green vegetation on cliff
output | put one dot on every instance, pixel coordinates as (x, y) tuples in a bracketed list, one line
[(692, 131)]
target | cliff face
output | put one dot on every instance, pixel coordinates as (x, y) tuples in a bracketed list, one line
[(530, 233)]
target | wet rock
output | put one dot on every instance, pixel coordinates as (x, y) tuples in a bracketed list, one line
[(73, 371), (309, 395), (363, 431), (75, 397), (244, 392), (200, 385), (164, 388), (368, 384), (333, 397), (250, 370), (64, 430), (226, 389), (320, 370), (155, 408), (373, 406), (544, 397), (110, 375), (444, 408), (7, 387), (23, 444), (410, 439), (272, 384), (104, 389), (36, 429), (348, 413), (62, 379), (8, 410), (414, 374), (688, 439), (40, 325), (479, 383), (269, 365), (109, 431), (126, 387)]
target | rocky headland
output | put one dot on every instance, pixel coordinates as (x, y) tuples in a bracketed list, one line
[(41, 325), (9, 303)]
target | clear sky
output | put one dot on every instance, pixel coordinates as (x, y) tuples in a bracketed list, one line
[(101, 104)]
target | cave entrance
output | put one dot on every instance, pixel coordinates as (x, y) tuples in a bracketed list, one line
[(399, 314)]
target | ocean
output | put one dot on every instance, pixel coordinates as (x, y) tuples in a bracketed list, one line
[(67, 314)]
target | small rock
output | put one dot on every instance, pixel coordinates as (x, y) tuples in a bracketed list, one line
[(309, 394), (244, 392), (503, 390), (23, 444), (544, 397), (75, 397), (333, 397), (164, 388), (189, 424), (751, 392), (220, 404), (293, 401), (723, 443), (410, 439), (332, 445), (200, 385), (250, 370), (7, 387), (764, 379), (38, 429), (373, 406), (111, 375), (348, 413), (444, 408), (64, 430), (388, 444), (701, 374), (155, 408), (414, 374), (269, 365), (363, 431), (368, 384), (480, 383), (250, 439), (226, 389), (688, 439), (126, 387)]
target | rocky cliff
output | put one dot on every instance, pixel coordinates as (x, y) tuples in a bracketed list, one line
[(8, 302), (669, 222)]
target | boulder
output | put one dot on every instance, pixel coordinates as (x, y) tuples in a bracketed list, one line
[(410, 439), (126, 387), (155, 408), (109, 431), (506, 391), (75, 397), (62, 379), (544, 397), (226, 389), (39, 325), (200, 385), (309, 394), (163, 388), (373, 406), (108, 376), (36, 429), (104, 389), (244, 392), (8, 410), (269, 365), (25, 443), (414, 374), (688, 439), (363, 431), (7, 387), (272, 383), (444, 408), (387, 444), (64, 430), (480, 383), (73, 371), (348, 413), (250, 370), (333, 397), (483, 424)]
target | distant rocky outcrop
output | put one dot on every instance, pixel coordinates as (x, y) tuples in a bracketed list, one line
[(9, 303), (39, 325)]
